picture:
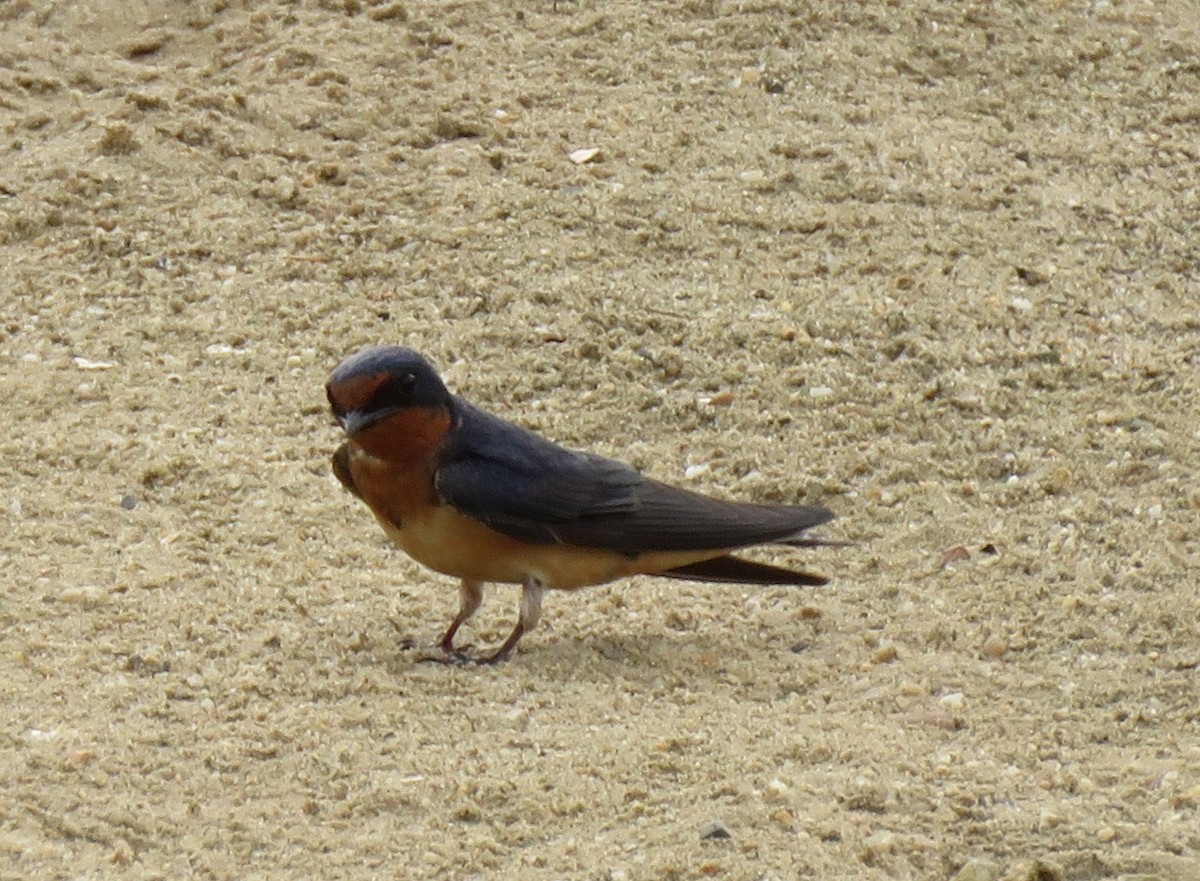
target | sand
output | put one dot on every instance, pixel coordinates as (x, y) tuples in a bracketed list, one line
[(933, 265)]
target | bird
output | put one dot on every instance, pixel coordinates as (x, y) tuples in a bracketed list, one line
[(473, 496)]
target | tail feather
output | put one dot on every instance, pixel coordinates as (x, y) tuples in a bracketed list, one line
[(735, 570), (807, 541)]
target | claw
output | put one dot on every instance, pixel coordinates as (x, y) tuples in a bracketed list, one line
[(456, 659)]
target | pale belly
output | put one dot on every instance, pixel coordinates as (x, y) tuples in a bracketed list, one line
[(448, 542)]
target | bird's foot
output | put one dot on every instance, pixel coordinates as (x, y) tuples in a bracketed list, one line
[(461, 657), (453, 660)]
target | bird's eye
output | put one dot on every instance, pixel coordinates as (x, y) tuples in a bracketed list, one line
[(401, 385), (396, 392)]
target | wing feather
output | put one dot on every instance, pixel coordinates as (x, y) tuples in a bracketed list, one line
[(524, 486)]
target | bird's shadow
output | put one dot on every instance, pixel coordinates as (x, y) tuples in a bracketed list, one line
[(691, 657)]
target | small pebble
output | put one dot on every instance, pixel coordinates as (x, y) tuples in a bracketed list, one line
[(80, 757), (885, 654), (1056, 480), (952, 701), (1071, 603), (1188, 799), (880, 496), (750, 76), (88, 364), (84, 595), (128, 502), (955, 555), (715, 830), (122, 853), (937, 717), (777, 788), (583, 155), (1048, 820), (877, 844), (995, 647), (977, 870)]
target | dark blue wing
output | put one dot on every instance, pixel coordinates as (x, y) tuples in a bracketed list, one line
[(524, 486)]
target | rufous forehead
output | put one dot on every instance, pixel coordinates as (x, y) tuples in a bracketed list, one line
[(355, 392)]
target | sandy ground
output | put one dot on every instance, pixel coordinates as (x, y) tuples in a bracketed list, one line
[(932, 264)]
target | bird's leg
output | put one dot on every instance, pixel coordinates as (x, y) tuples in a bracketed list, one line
[(531, 612), (470, 598)]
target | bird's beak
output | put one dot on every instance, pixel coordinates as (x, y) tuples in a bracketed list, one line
[(358, 420), (353, 422)]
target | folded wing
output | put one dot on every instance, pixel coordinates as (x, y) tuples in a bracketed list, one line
[(525, 486)]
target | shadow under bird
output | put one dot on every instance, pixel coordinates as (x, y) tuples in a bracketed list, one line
[(472, 496)]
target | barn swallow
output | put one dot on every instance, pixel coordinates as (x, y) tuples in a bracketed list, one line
[(470, 495)]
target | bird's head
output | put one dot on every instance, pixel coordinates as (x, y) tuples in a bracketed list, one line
[(390, 401)]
